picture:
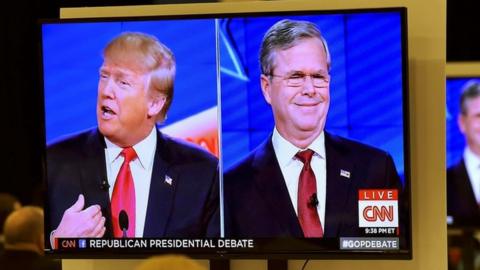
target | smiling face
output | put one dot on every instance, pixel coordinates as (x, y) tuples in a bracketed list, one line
[(125, 108), (300, 112)]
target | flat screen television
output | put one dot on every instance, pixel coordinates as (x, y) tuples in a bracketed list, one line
[(462, 119), (212, 178)]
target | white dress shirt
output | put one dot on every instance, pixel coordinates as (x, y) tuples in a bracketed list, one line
[(141, 169), (472, 163), (291, 168)]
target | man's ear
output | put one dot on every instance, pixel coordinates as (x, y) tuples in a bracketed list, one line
[(155, 104), (266, 87)]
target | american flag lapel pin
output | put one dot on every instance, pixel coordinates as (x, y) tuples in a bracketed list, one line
[(168, 180), (345, 174)]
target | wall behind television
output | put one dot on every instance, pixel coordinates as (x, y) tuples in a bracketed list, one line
[(426, 26)]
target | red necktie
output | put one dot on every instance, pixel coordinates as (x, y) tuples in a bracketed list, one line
[(307, 198), (123, 196)]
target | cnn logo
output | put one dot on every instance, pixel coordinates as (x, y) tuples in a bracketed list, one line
[(378, 208), (374, 213)]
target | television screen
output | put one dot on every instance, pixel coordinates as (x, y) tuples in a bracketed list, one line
[(242, 135), (463, 151), (463, 168)]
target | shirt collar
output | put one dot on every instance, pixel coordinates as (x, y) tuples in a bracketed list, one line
[(288, 150), (144, 149), (471, 160)]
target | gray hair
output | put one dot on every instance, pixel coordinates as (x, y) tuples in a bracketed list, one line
[(470, 91), (284, 35)]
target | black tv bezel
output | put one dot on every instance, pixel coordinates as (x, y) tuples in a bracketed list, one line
[(249, 254)]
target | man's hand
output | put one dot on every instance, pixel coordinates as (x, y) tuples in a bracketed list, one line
[(81, 223)]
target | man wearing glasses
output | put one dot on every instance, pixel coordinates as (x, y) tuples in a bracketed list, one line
[(302, 181)]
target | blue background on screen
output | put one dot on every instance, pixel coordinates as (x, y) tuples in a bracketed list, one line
[(455, 139), (366, 88), (72, 57)]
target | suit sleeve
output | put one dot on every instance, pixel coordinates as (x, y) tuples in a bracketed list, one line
[(212, 213)]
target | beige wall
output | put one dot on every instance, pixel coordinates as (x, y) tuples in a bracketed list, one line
[(427, 50)]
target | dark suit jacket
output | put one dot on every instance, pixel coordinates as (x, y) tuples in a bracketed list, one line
[(257, 203), (461, 202), (189, 207), (27, 260)]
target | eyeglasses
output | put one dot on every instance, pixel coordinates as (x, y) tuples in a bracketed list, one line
[(298, 79)]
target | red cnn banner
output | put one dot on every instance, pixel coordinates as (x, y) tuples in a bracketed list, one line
[(378, 208), (378, 194)]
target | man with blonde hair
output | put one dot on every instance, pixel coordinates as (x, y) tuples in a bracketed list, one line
[(125, 178)]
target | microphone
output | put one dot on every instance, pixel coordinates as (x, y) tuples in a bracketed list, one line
[(123, 222), (104, 185), (313, 201)]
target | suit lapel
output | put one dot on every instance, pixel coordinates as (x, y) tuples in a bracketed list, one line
[(93, 175), (464, 186), (270, 183), (162, 190), (338, 185)]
